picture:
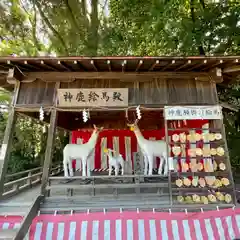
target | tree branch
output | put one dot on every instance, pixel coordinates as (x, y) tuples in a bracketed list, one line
[(192, 12), (93, 31), (71, 14), (34, 33), (33, 24), (200, 47), (55, 32), (84, 13), (202, 3)]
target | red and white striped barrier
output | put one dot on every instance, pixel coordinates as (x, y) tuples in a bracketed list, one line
[(211, 225), (101, 170), (10, 222)]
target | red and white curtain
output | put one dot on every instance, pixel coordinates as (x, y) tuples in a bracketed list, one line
[(125, 142), (209, 225)]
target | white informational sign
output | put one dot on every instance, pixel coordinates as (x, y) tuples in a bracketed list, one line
[(93, 97), (193, 112)]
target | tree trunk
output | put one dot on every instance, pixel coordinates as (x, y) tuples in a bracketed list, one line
[(93, 37)]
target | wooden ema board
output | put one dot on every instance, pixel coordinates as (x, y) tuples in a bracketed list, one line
[(197, 177)]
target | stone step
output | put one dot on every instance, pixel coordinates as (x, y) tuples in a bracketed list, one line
[(8, 234), (130, 202), (13, 210)]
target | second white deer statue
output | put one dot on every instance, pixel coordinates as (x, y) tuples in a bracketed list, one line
[(151, 149), (114, 161), (80, 152)]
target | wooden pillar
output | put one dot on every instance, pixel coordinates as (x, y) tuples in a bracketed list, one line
[(6, 147), (167, 160), (219, 124), (50, 142), (7, 140), (49, 150)]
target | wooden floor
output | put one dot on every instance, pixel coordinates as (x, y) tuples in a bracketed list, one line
[(20, 204), (82, 199)]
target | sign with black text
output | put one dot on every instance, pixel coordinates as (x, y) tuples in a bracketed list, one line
[(93, 97), (192, 112)]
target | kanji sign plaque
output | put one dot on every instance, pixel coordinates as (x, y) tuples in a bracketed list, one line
[(93, 97), (193, 112)]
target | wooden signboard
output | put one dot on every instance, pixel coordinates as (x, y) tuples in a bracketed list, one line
[(93, 97), (138, 165), (192, 112)]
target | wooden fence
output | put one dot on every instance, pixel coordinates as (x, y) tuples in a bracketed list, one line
[(30, 179)]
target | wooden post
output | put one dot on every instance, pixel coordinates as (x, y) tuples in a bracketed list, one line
[(7, 140), (49, 150), (50, 142), (27, 221), (219, 124), (167, 160)]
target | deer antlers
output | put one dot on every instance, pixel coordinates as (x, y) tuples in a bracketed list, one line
[(128, 121), (97, 128)]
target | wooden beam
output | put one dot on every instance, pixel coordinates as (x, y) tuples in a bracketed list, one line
[(104, 185), (154, 65), (14, 75), (214, 65), (63, 66), (14, 65), (27, 221), (232, 69), (182, 66), (79, 65), (47, 66), (93, 64), (123, 76), (7, 140), (50, 142), (6, 147), (229, 106), (109, 65), (49, 150), (197, 65), (124, 63), (220, 124), (139, 65), (167, 65), (216, 75), (67, 66), (31, 66)]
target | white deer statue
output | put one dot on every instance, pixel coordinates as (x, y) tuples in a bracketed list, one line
[(151, 149), (114, 161), (80, 152)]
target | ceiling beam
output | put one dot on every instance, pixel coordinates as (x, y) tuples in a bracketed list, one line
[(229, 106), (232, 69), (123, 76), (139, 65), (14, 75)]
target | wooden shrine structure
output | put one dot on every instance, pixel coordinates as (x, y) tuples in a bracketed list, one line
[(58, 86)]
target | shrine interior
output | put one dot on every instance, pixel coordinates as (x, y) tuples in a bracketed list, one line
[(108, 119)]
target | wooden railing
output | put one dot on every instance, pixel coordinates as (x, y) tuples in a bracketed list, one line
[(30, 179)]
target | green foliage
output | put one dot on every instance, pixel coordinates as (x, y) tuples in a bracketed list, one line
[(29, 141), (29, 145)]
